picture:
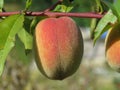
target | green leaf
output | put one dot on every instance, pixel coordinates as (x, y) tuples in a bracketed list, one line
[(28, 4), (63, 8), (99, 7), (66, 6), (115, 9), (104, 24), (8, 29), (26, 38), (1, 5), (92, 27), (69, 8), (117, 5)]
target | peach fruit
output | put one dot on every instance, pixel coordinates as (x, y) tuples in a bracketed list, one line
[(113, 47), (58, 47)]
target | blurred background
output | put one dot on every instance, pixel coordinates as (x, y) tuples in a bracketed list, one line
[(93, 73)]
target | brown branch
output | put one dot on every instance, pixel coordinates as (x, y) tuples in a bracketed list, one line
[(57, 14)]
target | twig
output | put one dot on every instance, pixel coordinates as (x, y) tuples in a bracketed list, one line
[(57, 14)]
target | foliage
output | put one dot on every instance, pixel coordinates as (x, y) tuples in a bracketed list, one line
[(108, 20), (9, 28)]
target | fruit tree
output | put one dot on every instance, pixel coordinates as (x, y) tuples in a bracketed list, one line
[(54, 37)]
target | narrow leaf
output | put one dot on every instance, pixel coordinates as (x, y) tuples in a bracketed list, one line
[(117, 5), (66, 6), (9, 27), (99, 7), (103, 23), (63, 8), (28, 4), (115, 9)]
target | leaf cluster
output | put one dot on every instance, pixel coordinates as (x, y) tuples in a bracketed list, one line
[(111, 17)]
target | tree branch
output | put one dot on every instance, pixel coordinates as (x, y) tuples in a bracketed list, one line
[(57, 14)]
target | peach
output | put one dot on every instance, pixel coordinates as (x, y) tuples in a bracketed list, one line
[(113, 47), (58, 47)]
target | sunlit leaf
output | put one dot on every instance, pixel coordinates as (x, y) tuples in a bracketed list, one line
[(66, 6), (103, 24), (63, 8), (8, 29)]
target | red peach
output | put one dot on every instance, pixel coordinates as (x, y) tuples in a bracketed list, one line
[(58, 47), (113, 47)]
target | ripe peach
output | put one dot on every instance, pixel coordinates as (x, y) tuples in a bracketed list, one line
[(113, 47), (58, 47)]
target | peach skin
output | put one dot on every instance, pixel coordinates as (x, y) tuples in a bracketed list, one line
[(113, 47), (58, 47)]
